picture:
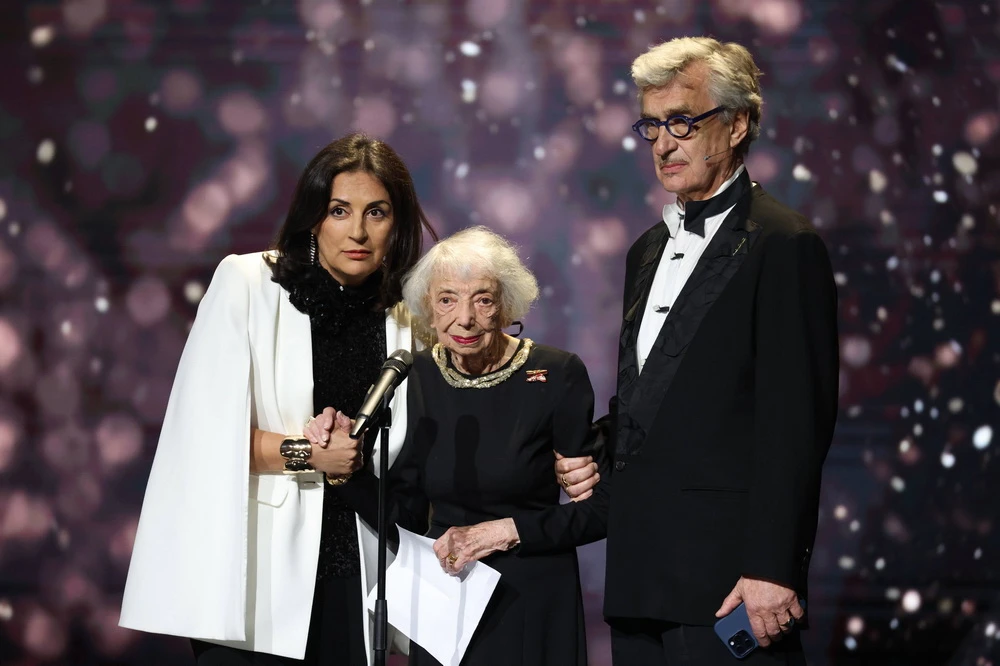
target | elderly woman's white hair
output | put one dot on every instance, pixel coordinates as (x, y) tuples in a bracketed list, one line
[(733, 82), (472, 253)]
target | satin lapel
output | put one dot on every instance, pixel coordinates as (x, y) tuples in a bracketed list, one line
[(293, 376), (722, 258), (628, 368)]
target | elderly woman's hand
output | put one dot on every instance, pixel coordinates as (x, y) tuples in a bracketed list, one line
[(336, 454), (461, 545)]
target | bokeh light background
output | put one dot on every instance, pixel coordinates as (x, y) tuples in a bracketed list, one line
[(144, 140)]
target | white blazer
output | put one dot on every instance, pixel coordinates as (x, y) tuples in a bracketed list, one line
[(220, 554)]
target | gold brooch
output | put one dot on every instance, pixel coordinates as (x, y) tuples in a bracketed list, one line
[(537, 375)]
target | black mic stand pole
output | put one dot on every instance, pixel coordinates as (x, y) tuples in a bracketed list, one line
[(381, 611)]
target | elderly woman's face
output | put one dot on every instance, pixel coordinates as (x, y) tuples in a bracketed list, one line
[(465, 313)]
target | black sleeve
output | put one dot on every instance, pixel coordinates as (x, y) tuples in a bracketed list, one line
[(575, 523), (795, 403)]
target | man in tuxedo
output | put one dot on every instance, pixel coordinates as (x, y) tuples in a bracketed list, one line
[(727, 381)]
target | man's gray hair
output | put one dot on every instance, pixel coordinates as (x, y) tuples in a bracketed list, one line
[(473, 253), (733, 81)]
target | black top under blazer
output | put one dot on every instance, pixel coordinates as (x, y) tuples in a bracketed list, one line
[(719, 442)]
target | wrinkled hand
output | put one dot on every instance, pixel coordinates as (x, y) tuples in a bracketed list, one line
[(577, 476), (334, 452), (461, 545), (769, 606)]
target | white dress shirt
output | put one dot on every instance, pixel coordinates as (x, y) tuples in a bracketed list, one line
[(671, 273)]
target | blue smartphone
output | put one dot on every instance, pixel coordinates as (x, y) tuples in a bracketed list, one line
[(735, 632)]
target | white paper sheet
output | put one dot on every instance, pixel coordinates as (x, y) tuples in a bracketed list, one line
[(435, 610)]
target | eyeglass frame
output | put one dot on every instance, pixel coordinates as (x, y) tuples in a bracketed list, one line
[(653, 122)]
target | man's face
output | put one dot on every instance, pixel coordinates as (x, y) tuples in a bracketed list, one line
[(681, 164)]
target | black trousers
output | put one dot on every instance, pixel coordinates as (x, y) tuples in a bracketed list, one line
[(638, 642), (336, 633)]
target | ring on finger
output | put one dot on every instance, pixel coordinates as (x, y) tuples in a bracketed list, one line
[(787, 624), (452, 558)]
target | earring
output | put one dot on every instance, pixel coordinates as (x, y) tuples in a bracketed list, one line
[(313, 249)]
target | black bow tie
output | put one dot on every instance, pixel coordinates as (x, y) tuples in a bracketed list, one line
[(695, 213)]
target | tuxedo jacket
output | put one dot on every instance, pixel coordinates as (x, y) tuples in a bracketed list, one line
[(720, 440), (221, 554)]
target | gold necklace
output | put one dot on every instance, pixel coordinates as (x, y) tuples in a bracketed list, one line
[(456, 379)]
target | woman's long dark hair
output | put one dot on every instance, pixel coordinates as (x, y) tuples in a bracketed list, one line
[(310, 206)]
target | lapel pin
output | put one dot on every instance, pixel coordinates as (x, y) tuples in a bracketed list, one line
[(537, 375), (742, 240)]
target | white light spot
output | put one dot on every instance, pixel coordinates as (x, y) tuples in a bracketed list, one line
[(369, 45), (3, 209), (977, 554), (991, 630), (800, 172), (892, 61), (964, 163), (539, 152), (468, 91), (470, 49), (855, 525), (936, 149), (619, 87), (880, 564), (628, 143), (892, 263), (462, 170), (846, 562), (955, 405), (892, 593), (995, 307), (46, 151), (840, 512), (851, 643), (897, 484), (101, 304), (42, 36), (894, 623), (193, 291), (151, 124), (968, 222), (66, 328), (918, 406), (877, 181), (940, 196), (855, 625), (947, 460), (982, 437), (911, 601)]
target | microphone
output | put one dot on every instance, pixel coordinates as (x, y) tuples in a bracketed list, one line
[(708, 157), (394, 371)]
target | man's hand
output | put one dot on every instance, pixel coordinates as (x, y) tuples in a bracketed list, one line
[(577, 476), (773, 609)]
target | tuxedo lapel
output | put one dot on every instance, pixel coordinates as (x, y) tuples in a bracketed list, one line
[(718, 264), (628, 368)]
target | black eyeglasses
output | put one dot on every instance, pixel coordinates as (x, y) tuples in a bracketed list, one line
[(678, 126)]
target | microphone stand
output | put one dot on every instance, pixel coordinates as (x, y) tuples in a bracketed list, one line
[(381, 610)]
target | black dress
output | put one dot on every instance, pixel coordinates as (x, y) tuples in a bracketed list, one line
[(348, 348), (479, 454)]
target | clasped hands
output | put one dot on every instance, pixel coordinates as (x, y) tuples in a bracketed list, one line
[(334, 452)]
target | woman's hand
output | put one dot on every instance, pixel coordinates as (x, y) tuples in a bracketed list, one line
[(577, 476), (334, 452), (460, 546)]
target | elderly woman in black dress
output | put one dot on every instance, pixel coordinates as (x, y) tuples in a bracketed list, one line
[(485, 412)]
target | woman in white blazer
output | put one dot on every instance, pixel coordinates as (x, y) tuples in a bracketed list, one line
[(244, 544)]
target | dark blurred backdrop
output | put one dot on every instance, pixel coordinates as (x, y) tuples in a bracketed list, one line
[(143, 140)]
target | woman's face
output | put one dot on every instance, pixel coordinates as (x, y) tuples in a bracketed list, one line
[(354, 237), (465, 313)]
